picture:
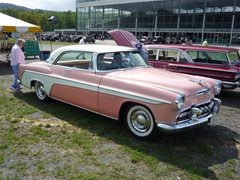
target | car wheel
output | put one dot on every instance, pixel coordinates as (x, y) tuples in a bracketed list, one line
[(140, 121), (40, 92)]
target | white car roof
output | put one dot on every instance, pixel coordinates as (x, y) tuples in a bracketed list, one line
[(96, 48), (89, 48)]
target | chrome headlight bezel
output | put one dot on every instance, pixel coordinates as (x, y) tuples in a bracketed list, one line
[(237, 76), (218, 87), (180, 102)]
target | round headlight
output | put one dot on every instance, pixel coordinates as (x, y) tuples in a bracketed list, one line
[(179, 102), (218, 87)]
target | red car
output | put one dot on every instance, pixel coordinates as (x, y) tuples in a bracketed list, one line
[(214, 62)]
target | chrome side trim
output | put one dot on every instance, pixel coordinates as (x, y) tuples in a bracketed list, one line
[(50, 80), (195, 67), (130, 95)]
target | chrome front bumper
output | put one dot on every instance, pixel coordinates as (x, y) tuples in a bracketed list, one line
[(194, 121), (230, 85)]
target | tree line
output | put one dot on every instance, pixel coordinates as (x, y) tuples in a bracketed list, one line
[(65, 20)]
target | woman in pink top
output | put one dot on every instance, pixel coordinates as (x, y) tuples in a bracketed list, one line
[(17, 57)]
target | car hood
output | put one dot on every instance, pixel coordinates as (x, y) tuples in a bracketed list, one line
[(176, 82), (124, 38)]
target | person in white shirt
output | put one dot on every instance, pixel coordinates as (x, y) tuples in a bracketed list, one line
[(82, 41), (17, 57), (205, 43)]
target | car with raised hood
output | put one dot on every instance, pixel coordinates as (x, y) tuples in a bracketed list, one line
[(116, 82), (222, 63)]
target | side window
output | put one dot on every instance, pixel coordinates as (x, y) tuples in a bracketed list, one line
[(183, 58), (198, 56), (76, 59), (193, 54), (168, 55), (104, 61), (119, 60), (208, 57), (152, 54), (217, 58)]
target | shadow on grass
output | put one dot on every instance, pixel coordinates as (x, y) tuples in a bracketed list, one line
[(5, 69), (193, 151), (230, 98)]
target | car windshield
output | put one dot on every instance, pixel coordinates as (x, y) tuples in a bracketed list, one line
[(119, 60), (234, 57), (208, 57)]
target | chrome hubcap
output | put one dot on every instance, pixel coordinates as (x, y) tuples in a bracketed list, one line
[(140, 120), (41, 91)]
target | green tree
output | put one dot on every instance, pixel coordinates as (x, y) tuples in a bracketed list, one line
[(66, 20)]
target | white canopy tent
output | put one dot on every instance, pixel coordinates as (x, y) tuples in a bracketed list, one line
[(11, 24), (26, 31)]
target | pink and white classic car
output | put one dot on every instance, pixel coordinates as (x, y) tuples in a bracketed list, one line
[(116, 82)]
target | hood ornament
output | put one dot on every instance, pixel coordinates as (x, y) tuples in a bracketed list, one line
[(199, 81)]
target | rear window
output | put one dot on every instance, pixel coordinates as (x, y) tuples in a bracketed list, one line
[(234, 57), (208, 57)]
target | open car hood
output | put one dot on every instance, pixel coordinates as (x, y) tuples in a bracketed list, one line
[(124, 38)]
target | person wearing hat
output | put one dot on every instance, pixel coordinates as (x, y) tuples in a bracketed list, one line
[(17, 58), (142, 51), (82, 40)]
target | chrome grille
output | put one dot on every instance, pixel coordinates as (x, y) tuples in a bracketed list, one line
[(186, 114)]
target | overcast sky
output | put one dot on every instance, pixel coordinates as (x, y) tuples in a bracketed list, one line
[(55, 5)]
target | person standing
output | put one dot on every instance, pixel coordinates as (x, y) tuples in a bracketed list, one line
[(228, 41), (82, 40), (205, 43), (17, 58), (142, 51)]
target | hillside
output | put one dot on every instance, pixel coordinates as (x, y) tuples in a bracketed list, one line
[(12, 6)]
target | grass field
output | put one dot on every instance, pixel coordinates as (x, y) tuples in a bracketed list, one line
[(57, 141)]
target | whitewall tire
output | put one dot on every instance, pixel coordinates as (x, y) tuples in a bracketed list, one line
[(140, 121), (40, 92)]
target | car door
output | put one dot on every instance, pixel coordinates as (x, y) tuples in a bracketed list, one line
[(209, 64), (183, 63), (77, 82), (164, 58)]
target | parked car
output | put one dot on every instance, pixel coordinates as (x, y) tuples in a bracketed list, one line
[(89, 39), (116, 82), (213, 62)]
